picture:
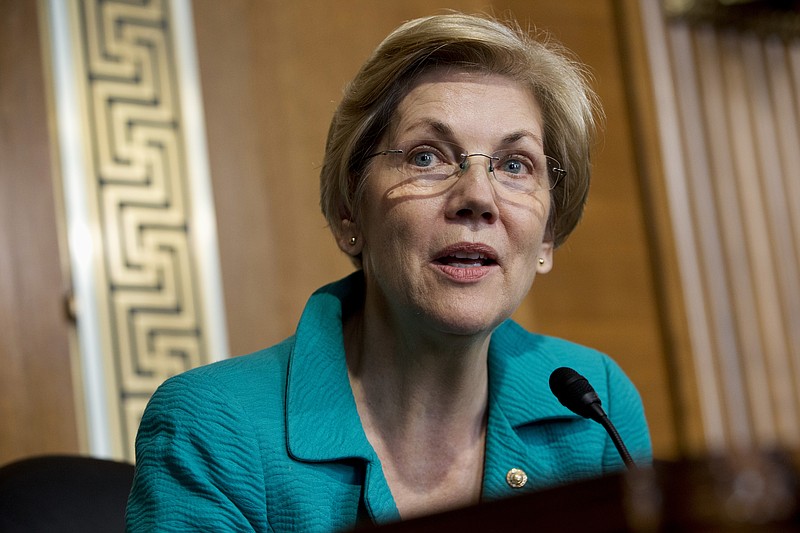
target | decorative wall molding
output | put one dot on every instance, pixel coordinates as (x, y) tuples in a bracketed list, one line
[(729, 108), (139, 212)]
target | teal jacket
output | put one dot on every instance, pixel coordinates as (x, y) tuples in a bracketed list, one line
[(272, 441)]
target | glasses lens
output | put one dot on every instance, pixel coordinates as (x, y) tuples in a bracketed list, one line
[(427, 162), (521, 171)]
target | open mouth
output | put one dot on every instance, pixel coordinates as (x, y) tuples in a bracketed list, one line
[(466, 260)]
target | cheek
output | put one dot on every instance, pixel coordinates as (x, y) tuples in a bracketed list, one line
[(397, 213), (398, 231), (527, 227), (390, 231)]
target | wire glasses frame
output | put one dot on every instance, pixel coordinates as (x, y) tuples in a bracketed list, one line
[(430, 162)]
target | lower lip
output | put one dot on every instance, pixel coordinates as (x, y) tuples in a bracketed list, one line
[(465, 274)]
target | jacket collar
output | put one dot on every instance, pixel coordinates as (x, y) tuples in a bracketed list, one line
[(326, 427), (321, 417)]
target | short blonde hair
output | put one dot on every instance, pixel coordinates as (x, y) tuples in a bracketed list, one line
[(475, 43)]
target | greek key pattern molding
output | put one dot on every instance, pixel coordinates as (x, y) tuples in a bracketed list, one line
[(140, 186)]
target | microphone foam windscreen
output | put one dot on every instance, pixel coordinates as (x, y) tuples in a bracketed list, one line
[(573, 391)]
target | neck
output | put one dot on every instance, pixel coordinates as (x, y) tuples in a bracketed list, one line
[(411, 389), (410, 382)]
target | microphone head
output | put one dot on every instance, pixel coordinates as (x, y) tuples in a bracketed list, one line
[(575, 393)]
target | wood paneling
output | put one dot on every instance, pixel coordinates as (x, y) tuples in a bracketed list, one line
[(37, 413), (272, 74)]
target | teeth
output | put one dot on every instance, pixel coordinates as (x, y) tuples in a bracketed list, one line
[(468, 255)]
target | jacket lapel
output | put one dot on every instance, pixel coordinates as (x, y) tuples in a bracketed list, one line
[(322, 421)]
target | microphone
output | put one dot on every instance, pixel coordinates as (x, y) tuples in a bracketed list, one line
[(576, 394)]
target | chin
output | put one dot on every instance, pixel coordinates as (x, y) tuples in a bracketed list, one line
[(468, 324)]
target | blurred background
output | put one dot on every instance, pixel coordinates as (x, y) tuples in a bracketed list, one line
[(159, 169)]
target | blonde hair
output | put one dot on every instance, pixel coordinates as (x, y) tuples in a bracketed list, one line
[(476, 43)]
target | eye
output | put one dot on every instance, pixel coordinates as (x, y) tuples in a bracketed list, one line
[(514, 164), (425, 155), (427, 159), (423, 158)]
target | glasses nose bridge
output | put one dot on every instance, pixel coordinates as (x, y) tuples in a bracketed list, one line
[(465, 164)]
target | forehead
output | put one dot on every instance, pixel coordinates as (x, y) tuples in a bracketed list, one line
[(468, 106)]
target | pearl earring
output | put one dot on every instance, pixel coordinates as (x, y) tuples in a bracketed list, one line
[(541, 260)]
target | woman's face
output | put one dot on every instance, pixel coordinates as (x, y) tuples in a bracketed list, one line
[(456, 254)]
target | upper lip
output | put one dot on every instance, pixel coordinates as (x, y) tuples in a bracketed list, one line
[(468, 250)]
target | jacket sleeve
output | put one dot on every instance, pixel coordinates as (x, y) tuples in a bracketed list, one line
[(198, 463), (625, 410)]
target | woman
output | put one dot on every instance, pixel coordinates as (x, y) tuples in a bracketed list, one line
[(456, 163)]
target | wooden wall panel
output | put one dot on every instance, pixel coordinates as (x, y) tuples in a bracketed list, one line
[(37, 409), (272, 73)]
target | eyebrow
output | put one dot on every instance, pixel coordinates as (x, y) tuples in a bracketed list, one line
[(439, 128), (522, 134), (435, 126)]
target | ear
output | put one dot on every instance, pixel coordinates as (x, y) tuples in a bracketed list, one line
[(544, 262), (349, 238)]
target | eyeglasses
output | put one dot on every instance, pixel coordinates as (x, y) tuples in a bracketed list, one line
[(430, 163)]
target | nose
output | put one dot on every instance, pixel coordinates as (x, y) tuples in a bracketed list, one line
[(473, 195)]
